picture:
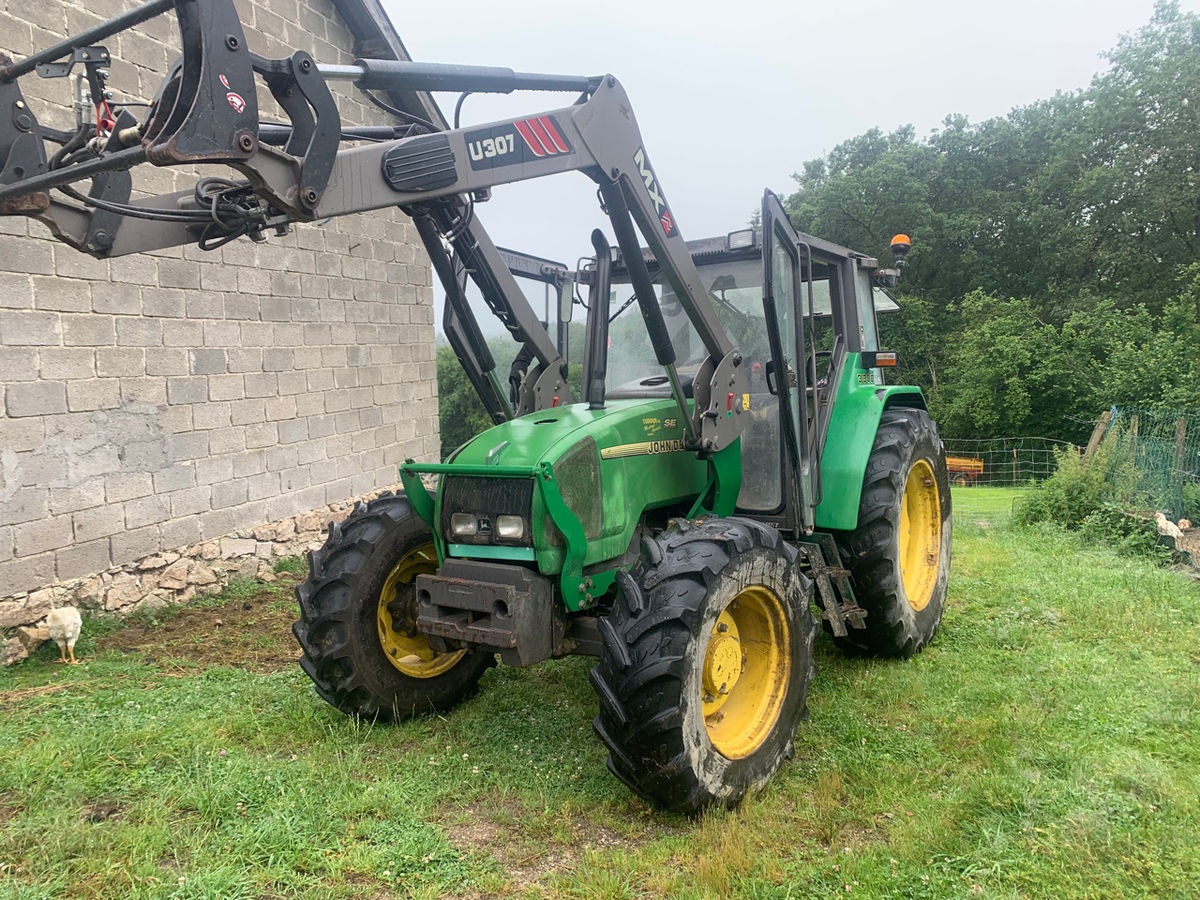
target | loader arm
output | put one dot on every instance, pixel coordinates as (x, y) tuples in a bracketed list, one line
[(211, 29), (206, 112)]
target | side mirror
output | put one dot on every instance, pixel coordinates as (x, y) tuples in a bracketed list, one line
[(566, 299)]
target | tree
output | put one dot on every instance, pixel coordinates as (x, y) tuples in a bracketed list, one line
[(1091, 193), (1004, 374), (1154, 361), (1139, 195), (1085, 206), (461, 414), (867, 189)]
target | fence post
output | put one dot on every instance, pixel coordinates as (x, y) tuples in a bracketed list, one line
[(1097, 434), (1180, 459)]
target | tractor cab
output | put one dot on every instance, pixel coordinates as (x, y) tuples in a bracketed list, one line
[(781, 297)]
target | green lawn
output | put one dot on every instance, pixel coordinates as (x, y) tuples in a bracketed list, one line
[(1043, 746), (982, 505)]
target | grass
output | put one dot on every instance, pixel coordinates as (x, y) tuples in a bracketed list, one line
[(1042, 746), (981, 504)]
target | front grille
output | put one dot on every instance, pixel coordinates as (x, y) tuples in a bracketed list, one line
[(486, 498)]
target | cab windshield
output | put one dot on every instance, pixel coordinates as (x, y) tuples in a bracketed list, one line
[(735, 290)]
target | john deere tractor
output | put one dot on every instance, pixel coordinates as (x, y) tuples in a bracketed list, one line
[(735, 464)]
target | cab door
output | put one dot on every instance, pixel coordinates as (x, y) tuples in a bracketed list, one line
[(787, 375)]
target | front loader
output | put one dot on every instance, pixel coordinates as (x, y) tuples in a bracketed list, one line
[(735, 462)]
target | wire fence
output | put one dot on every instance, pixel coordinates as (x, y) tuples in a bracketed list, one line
[(1001, 462), (1159, 454), (990, 476), (1164, 449)]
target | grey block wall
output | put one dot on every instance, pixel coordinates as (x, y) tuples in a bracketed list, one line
[(153, 401)]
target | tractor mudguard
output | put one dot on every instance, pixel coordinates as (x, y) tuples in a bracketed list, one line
[(857, 409)]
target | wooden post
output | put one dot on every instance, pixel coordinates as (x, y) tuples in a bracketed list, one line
[(1098, 434), (1177, 472)]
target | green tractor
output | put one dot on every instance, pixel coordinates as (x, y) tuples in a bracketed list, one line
[(735, 462), (602, 527)]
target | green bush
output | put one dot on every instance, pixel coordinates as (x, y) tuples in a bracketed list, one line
[(1096, 497), (1127, 533), (1191, 502), (1079, 487)]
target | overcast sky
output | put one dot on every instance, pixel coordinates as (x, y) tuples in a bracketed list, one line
[(733, 97)]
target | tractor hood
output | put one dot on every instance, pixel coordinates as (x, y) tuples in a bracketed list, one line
[(623, 428)]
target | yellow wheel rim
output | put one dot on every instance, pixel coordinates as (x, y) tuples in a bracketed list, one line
[(920, 535), (745, 673), (411, 654)]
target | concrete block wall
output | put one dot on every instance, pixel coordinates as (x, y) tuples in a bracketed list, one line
[(154, 401)]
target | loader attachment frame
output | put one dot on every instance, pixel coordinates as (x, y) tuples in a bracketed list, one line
[(207, 112)]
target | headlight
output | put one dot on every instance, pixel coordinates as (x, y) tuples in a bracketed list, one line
[(464, 525), (510, 528)]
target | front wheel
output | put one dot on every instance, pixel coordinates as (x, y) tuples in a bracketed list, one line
[(705, 665), (357, 623), (899, 555)]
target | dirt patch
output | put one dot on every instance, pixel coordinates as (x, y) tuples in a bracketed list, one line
[(10, 806), (252, 631), (25, 693), (103, 810), (494, 830), (499, 828)]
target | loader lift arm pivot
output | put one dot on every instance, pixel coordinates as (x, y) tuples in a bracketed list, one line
[(207, 112), (310, 144)]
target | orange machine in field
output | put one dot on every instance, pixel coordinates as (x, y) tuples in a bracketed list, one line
[(964, 469)]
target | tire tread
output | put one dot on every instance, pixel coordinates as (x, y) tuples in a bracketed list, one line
[(645, 663), (345, 663)]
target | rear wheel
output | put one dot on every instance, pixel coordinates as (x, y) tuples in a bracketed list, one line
[(705, 665), (358, 614), (899, 554)]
